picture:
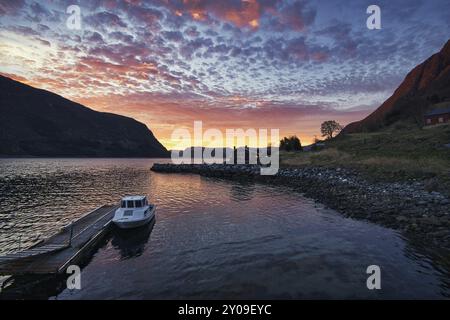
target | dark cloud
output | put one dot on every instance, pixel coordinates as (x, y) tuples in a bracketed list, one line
[(287, 15), (121, 36), (192, 32), (191, 46), (23, 30), (103, 20), (149, 17), (175, 36), (13, 7), (94, 38), (44, 42)]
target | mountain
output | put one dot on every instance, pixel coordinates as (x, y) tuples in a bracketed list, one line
[(36, 122), (425, 85)]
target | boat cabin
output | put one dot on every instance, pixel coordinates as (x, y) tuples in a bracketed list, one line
[(134, 202), (134, 211)]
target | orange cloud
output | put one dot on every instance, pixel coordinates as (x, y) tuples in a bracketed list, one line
[(246, 13)]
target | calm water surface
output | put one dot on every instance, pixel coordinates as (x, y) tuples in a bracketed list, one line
[(212, 238)]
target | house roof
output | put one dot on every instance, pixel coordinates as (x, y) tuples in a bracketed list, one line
[(438, 112)]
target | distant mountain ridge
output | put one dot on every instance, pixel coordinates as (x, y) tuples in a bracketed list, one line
[(426, 84), (35, 122)]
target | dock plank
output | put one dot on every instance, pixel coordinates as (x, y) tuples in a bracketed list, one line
[(33, 252), (55, 254)]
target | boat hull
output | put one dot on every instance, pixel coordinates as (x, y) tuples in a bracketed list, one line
[(134, 223)]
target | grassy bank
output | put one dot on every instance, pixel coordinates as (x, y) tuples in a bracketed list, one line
[(396, 154)]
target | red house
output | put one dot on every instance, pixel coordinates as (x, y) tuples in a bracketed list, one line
[(437, 116)]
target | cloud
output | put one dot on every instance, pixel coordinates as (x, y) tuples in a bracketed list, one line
[(175, 36), (11, 7), (290, 15), (103, 20), (254, 61)]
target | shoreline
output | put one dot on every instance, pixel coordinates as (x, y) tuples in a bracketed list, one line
[(404, 206)]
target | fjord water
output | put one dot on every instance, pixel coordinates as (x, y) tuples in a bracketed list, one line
[(212, 238)]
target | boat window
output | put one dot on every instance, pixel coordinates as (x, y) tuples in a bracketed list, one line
[(123, 204), (138, 203), (130, 204)]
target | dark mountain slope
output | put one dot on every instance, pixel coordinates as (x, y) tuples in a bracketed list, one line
[(426, 84), (36, 122)]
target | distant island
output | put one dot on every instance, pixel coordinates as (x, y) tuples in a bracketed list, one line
[(39, 123)]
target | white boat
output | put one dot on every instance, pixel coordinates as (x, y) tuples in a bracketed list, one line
[(134, 211)]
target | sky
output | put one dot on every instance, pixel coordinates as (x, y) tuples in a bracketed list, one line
[(274, 64)]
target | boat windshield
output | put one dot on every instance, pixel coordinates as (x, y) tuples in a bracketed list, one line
[(134, 203)]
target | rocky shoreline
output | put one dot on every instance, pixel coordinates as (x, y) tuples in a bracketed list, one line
[(405, 206)]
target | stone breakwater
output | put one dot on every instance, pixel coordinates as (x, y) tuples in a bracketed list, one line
[(404, 206)]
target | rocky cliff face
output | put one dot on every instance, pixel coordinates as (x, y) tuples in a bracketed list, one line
[(426, 84), (36, 122)]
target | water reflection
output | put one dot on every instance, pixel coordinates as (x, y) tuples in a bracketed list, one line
[(39, 196), (212, 238), (131, 242), (242, 191)]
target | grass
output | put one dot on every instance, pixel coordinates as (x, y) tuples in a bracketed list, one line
[(403, 152)]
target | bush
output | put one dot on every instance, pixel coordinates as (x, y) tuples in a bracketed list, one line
[(290, 144)]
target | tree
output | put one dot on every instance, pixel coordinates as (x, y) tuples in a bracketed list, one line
[(290, 144), (328, 128)]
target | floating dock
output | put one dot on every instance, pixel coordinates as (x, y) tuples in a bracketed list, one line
[(69, 246)]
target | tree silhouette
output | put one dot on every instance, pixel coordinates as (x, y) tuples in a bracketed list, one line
[(328, 128), (290, 144)]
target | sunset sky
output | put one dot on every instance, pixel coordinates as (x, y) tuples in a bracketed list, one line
[(283, 64)]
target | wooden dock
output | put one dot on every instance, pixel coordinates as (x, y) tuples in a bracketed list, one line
[(69, 246)]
